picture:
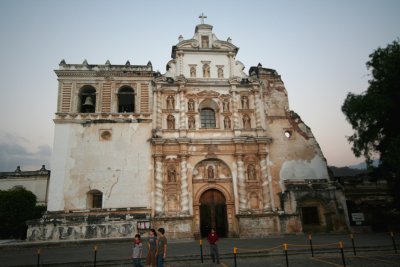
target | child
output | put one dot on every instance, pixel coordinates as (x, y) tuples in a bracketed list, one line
[(137, 251), (212, 240), (152, 249), (162, 247)]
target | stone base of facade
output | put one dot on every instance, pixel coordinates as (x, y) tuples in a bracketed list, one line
[(175, 227), (262, 225), (115, 223)]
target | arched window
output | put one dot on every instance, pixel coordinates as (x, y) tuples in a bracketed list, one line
[(94, 199), (207, 116), (126, 99), (87, 97)]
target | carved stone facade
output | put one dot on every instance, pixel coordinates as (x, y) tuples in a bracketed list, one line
[(203, 145)]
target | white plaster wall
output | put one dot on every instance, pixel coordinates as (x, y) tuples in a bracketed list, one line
[(59, 162), (303, 169), (120, 168), (37, 185)]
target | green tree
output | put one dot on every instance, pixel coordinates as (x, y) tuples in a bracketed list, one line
[(375, 114), (17, 205)]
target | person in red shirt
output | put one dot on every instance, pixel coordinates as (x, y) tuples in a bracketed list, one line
[(213, 240)]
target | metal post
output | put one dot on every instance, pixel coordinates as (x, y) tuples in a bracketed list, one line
[(341, 251), (38, 257), (394, 242), (234, 255), (352, 243), (201, 250), (311, 246), (285, 247), (95, 255)]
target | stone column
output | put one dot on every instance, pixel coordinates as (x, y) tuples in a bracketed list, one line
[(265, 183), (158, 110), (184, 187), (257, 103), (158, 186), (241, 185), (235, 108), (182, 113)]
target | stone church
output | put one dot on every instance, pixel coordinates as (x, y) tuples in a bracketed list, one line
[(202, 145)]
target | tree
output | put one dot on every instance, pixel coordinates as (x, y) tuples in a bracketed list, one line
[(375, 114), (17, 205)]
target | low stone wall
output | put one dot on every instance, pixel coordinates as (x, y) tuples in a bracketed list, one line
[(86, 225)]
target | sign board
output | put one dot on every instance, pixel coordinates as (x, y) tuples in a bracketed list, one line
[(357, 217)]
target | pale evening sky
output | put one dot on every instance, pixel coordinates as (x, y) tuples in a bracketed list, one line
[(318, 47)]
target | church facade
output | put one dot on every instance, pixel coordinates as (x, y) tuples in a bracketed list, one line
[(202, 145)]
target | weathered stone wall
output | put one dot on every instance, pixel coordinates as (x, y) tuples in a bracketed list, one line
[(258, 225), (86, 225)]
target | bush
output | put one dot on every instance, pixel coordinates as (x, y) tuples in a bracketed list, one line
[(17, 205)]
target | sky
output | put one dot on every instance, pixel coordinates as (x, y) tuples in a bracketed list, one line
[(319, 47)]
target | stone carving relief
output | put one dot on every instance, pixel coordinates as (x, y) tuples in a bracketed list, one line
[(211, 169)]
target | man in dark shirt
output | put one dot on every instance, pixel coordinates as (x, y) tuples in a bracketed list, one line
[(162, 247), (213, 240)]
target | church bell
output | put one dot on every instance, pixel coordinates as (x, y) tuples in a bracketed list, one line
[(88, 102)]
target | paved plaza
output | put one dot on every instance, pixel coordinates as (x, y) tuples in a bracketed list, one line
[(371, 250)]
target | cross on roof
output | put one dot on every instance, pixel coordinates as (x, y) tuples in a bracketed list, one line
[(202, 17)]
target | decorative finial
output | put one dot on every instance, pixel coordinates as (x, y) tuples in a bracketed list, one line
[(202, 17), (229, 40), (127, 63), (18, 169), (149, 64), (108, 62), (85, 62), (180, 38), (62, 62)]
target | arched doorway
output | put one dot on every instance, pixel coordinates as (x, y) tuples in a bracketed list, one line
[(213, 213)]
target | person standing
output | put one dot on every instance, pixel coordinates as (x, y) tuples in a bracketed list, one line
[(152, 249), (137, 251), (213, 240), (161, 247)]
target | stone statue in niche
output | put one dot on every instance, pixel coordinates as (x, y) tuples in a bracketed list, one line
[(191, 105), (251, 172), (170, 122), (206, 71), (210, 172), (226, 106), (254, 203), (246, 122), (227, 122), (192, 72), (192, 123), (171, 173), (220, 73), (170, 102), (245, 102)]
